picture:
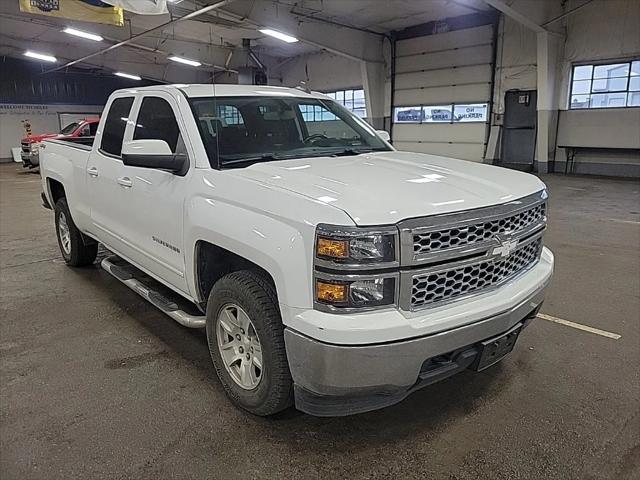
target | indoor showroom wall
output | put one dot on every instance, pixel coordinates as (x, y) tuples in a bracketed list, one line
[(603, 30), (42, 100), (445, 76), (320, 71), (43, 119), (516, 69)]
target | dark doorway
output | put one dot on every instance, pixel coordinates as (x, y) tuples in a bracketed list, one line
[(519, 130)]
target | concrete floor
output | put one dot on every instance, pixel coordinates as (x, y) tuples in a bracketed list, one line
[(96, 383)]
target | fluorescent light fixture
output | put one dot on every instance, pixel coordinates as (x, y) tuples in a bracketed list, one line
[(80, 33), (279, 35), (128, 75), (40, 56), (186, 61)]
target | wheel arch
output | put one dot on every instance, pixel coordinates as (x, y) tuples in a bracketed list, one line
[(56, 190), (212, 262)]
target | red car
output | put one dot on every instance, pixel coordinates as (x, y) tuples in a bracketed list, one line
[(30, 153)]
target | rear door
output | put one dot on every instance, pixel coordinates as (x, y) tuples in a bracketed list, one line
[(154, 199), (107, 206)]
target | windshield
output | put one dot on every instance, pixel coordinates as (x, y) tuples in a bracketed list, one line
[(68, 130), (237, 131)]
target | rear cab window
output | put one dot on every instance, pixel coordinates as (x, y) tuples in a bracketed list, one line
[(115, 125)]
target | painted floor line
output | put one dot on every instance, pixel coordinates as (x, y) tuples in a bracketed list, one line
[(579, 326), (632, 222)]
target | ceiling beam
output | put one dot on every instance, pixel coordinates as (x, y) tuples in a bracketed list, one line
[(301, 38), (160, 36), (130, 45), (101, 68), (567, 13), (130, 40), (517, 16)]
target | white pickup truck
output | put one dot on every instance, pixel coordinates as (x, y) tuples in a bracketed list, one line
[(329, 269)]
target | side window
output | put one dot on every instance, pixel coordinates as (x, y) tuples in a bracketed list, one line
[(85, 131), (156, 121), (115, 125)]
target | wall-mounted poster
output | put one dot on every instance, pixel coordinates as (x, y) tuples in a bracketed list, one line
[(84, 10)]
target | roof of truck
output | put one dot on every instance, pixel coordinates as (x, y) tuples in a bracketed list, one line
[(226, 90)]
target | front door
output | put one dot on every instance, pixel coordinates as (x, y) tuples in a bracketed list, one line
[(155, 198), (519, 130)]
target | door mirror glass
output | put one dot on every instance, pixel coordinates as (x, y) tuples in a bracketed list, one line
[(383, 134), (153, 153)]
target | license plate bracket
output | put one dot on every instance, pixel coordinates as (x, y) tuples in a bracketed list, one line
[(495, 349)]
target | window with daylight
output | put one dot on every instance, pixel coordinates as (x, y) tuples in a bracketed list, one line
[(611, 85), (316, 113), (230, 115), (352, 100), (449, 113)]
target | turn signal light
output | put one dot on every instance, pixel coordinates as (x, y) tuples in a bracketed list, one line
[(327, 247), (331, 292)]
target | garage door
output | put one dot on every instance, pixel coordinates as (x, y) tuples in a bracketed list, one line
[(442, 93)]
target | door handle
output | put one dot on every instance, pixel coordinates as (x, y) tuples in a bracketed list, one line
[(125, 182), (92, 171)]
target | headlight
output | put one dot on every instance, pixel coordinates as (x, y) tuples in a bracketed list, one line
[(35, 147), (354, 291), (352, 247)]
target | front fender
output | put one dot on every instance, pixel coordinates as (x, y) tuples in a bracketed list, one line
[(281, 248)]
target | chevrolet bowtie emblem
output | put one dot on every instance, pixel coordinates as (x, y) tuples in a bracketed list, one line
[(506, 246)]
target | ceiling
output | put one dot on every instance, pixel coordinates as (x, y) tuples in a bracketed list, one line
[(383, 15), (346, 27)]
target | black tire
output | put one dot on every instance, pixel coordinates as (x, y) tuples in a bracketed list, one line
[(82, 250), (257, 297)]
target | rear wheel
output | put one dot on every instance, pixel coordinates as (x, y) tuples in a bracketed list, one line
[(77, 249), (246, 342)]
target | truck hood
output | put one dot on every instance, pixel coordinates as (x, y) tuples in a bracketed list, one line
[(385, 187), (39, 138)]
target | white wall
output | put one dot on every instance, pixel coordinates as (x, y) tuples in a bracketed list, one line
[(321, 71), (604, 30), (43, 119), (515, 61)]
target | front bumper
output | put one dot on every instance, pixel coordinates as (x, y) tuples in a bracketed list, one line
[(334, 380), (30, 160)]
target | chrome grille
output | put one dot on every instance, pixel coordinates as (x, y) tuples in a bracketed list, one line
[(477, 232), (433, 288), (26, 147)]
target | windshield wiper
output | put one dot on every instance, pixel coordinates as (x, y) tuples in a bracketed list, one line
[(352, 151), (267, 157)]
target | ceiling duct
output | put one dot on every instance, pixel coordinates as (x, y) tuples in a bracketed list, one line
[(251, 74)]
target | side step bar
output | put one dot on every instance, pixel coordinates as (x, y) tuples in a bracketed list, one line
[(144, 286)]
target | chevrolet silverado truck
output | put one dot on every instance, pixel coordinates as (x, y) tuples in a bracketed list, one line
[(329, 270), (30, 146)]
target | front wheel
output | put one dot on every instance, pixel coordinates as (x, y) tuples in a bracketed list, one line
[(77, 250), (246, 342)]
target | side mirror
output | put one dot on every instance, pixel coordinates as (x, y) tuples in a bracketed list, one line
[(154, 154), (384, 135)]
